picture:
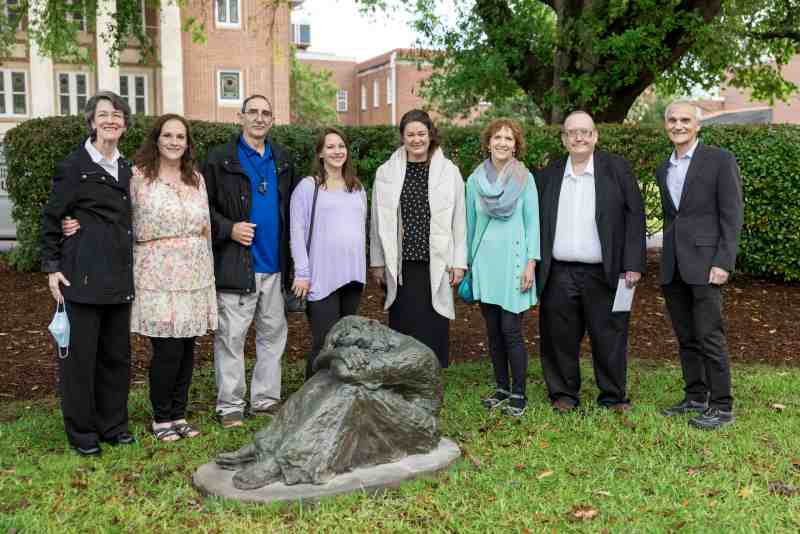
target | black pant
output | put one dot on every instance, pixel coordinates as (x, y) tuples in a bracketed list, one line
[(170, 377), (506, 347), (94, 378), (323, 314), (577, 298), (412, 311), (696, 314)]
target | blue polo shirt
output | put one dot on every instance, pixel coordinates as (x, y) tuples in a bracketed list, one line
[(264, 206)]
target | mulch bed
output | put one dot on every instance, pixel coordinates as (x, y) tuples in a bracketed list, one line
[(761, 315)]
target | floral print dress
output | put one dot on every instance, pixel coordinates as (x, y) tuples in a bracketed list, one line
[(173, 269)]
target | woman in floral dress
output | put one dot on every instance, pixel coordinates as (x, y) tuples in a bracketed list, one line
[(173, 268)]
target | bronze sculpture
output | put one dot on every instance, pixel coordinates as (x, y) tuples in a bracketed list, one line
[(374, 399)]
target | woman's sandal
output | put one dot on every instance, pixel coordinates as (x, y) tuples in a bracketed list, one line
[(185, 430), (166, 434)]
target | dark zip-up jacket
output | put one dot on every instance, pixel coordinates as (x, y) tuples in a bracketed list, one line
[(98, 259), (230, 200)]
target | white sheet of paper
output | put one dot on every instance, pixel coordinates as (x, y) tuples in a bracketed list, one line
[(624, 297)]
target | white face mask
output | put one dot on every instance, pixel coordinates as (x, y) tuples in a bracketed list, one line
[(59, 328)]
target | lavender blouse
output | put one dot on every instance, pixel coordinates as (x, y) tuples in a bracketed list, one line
[(338, 253)]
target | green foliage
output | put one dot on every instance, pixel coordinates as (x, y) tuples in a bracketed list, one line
[(313, 95), (599, 56), (769, 159)]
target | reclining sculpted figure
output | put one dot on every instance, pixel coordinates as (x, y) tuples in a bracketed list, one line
[(374, 399)]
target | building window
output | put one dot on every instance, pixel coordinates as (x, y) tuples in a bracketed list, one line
[(230, 88), (376, 93), (363, 97), (73, 90), (133, 90), (389, 91), (301, 35), (13, 12), (13, 93), (341, 101), (75, 14), (227, 12)]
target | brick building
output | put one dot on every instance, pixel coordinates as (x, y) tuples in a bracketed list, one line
[(376, 91), (246, 51)]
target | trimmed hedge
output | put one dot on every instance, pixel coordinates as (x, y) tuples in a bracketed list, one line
[(769, 158)]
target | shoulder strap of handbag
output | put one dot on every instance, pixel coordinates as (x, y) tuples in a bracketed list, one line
[(480, 241), (313, 212)]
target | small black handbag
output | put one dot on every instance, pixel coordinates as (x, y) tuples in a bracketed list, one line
[(293, 303)]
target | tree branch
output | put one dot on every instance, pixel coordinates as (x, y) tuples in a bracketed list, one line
[(530, 73)]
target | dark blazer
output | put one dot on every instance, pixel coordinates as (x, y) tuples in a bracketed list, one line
[(619, 212), (97, 260), (229, 200), (704, 232)]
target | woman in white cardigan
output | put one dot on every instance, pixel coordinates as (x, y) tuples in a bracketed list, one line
[(418, 249)]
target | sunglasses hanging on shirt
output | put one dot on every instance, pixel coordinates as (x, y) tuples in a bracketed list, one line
[(262, 187)]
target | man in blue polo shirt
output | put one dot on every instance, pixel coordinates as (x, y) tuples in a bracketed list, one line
[(249, 182)]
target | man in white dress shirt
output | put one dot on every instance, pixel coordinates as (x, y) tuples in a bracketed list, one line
[(592, 234)]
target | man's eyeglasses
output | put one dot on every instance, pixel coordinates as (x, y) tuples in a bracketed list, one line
[(578, 132), (253, 114)]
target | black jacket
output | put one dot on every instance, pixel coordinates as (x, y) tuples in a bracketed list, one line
[(704, 231), (229, 199), (98, 259), (619, 213)]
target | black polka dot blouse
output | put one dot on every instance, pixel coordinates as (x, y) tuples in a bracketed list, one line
[(416, 213)]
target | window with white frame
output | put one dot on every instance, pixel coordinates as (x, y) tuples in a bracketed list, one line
[(341, 101), (73, 91), (301, 34), (227, 13), (13, 93), (363, 97), (133, 90), (75, 13), (13, 9), (229, 87), (389, 90), (376, 93)]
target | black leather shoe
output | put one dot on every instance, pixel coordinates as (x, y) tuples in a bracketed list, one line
[(94, 450), (123, 438), (712, 419), (684, 407)]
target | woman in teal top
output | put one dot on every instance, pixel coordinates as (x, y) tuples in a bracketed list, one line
[(503, 241)]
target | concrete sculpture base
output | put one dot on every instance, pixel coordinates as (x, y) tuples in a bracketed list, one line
[(210, 479)]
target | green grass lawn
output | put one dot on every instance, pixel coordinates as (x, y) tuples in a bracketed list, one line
[(591, 471)]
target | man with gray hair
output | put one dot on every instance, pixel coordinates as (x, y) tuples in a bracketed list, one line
[(701, 196), (249, 182)]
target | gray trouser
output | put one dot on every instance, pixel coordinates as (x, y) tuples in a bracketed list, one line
[(236, 312)]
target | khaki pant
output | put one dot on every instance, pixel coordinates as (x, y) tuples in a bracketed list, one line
[(236, 312)]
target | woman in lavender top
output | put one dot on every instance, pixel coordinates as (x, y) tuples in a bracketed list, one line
[(331, 273)]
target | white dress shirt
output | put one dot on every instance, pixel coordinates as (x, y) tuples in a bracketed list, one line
[(576, 236), (676, 173), (109, 165)]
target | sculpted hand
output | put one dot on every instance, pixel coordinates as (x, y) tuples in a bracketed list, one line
[(528, 276), (70, 226), (456, 275), (379, 275), (632, 278), (717, 276), (243, 233), (53, 280), (300, 287)]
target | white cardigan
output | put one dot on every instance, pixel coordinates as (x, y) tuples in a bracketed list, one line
[(448, 226)]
